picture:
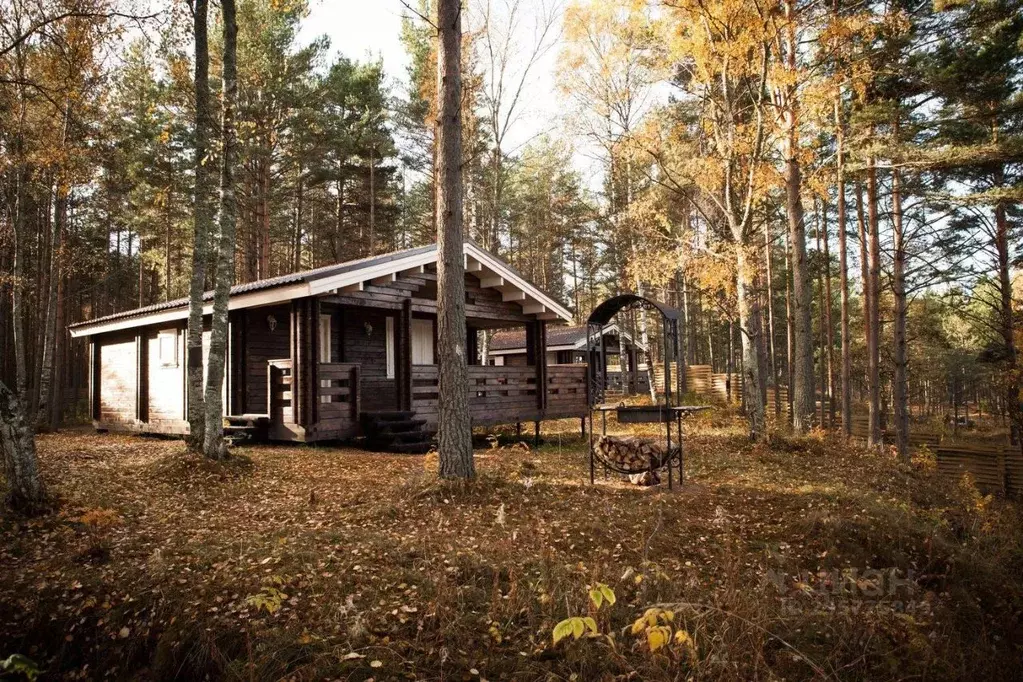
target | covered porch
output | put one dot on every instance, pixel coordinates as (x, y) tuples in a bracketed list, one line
[(326, 366)]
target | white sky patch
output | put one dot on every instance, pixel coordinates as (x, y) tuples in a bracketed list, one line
[(371, 29)]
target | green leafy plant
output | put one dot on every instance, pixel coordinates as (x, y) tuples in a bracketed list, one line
[(658, 627), (578, 626), (18, 664), (270, 598)]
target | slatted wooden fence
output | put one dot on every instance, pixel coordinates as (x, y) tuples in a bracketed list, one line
[(996, 468)]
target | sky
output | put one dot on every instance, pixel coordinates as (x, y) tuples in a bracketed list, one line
[(361, 29)]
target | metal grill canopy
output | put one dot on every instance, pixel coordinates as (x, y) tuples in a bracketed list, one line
[(604, 312)]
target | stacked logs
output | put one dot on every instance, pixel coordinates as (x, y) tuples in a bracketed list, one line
[(633, 456)]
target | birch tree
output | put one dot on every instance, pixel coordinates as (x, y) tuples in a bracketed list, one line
[(202, 221), (213, 444)]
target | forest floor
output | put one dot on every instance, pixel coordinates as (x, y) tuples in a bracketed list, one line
[(805, 559)]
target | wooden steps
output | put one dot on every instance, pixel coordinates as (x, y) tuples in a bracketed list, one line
[(246, 427), (397, 431)]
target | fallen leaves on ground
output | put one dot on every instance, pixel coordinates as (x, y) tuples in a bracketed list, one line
[(327, 561)]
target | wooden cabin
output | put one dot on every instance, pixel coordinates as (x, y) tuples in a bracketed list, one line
[(316, 355), (567, 345)]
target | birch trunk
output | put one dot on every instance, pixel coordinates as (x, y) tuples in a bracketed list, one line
[(42, 416), (25, 491), (454, 432), (749, 335), (201, 228), (213, 441)]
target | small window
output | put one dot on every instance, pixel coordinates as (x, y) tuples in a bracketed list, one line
[(167, 346), (389, 341), (422, 342)]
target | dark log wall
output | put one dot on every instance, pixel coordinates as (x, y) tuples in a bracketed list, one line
[(118, 378), (263, 345), (369, 350)]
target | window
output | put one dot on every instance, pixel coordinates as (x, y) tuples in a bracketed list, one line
[(422, 342), (167, 347), (389, 341), (324, 352), (325, 338)]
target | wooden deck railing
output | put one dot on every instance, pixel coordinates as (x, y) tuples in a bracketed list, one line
[(337, 393), (499, 395), (567, 391)]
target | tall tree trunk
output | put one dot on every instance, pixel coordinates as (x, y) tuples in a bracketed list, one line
[(749, 334), (803, 401), (454, 430), (1007, 323), (874, 435), (843, 274), (770, 316), (901, 388), (25, 491), (201, 227), (372, 203), (861, 228), (213, 445), (50, 339), (803, 374), (789, 331), (296, 264), (829, 328)]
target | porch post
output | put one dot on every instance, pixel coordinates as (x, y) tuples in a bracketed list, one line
[(633, 370), (303, 361), (296, 360), (472, 348), (313, 363), (141, 377), (236, 362), (94, 379), (536, 354), (403, 360)]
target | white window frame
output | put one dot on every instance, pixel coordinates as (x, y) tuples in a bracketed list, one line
[(172, 336), (389, 344), (420, 323), (324, 333)]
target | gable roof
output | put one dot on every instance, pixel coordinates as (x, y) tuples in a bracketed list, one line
[(512, 341), (491, 271)]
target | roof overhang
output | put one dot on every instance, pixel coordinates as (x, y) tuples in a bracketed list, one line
[(490, 270)]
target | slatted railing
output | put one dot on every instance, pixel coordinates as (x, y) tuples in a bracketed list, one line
[(503, 394), (566, 390), (338, 395)]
